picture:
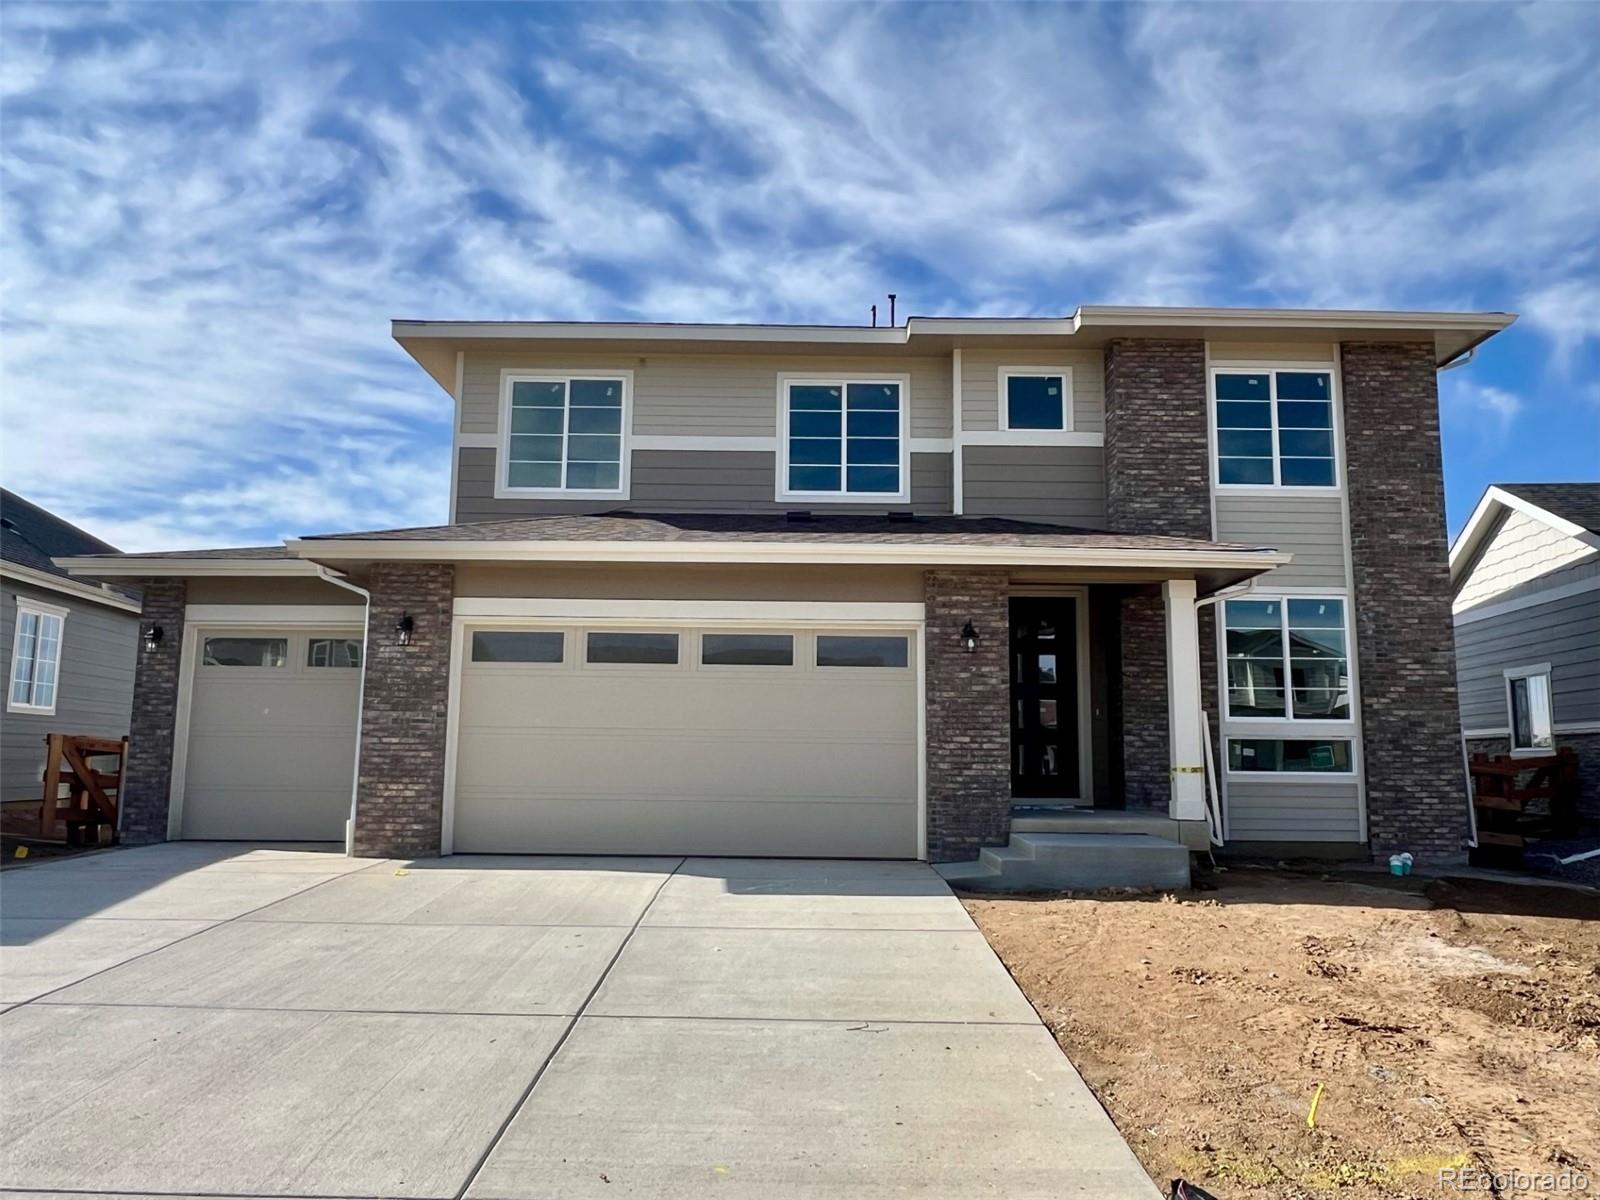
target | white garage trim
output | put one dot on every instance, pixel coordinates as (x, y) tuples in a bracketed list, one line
[(694, 612), (675, 614), (210, 620)]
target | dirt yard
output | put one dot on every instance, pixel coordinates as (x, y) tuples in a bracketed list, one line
[(1452, 1024)]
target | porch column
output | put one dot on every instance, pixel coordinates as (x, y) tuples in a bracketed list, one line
[(1185, 734)]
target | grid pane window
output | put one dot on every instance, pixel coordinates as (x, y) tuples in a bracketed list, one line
[(565, 434), (36, 659), (1275, 428), (844, 437), (1287, 659)]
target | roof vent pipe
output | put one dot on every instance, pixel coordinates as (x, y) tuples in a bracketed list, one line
[(891, 310), (874, 316)]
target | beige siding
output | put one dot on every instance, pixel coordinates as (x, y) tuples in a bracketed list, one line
[(1524, 555), (980, 385), (665, 581), (690, 481), (1065, 484), (1268, 810), (268, 591), (1272, 352), (1309, 527), (724, 395)]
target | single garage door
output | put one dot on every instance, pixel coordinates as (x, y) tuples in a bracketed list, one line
[(272, 734), (688, 741)]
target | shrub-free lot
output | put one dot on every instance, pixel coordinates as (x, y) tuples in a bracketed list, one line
[(1451, 1024)]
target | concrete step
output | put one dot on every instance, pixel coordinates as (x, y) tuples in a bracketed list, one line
[(1024, 819), (1077, 862)]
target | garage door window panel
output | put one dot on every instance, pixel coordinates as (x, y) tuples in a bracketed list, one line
[(868, 651), (747, 650), (259, 652), (631, 649), (333, 652), (519, 646)]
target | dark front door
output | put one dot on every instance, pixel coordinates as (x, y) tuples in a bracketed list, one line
[(1044, 698)]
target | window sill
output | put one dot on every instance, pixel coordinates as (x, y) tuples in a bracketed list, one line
[(843, 498), (1532, 752), (31, 710), (1275, 489), (511, 493)]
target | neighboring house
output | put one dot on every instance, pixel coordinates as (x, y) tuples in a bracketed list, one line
[(786, 590), (1525, 576), (68, 646)]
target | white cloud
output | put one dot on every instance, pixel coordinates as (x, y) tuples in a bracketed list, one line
[(211, 212), (1485, 410)]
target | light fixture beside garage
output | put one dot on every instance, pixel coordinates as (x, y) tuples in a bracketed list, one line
[(152, 638), (404, 627), (969, 637)]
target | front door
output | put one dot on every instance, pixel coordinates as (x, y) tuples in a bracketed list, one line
[(1044, 698)]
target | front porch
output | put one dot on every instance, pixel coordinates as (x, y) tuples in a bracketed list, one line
[(1065, 726)]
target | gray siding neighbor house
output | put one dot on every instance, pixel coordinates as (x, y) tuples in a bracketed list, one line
[(1525, 581), (1014, 594), (67, 646)]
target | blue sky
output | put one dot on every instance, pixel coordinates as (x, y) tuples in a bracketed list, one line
[(211, 212)]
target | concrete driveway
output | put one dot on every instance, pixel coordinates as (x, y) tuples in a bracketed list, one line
[(226, 1020)]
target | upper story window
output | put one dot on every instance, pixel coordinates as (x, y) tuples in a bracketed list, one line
[(36, 657), (1275, 428), (1532, 712), (1287, 659), (1036, 399), (565, 434), (844, 439)]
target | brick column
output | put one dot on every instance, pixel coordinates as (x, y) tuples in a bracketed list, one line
[(968, 714), (400, 796), (1410, 724), (147, 775), (1157, 482)]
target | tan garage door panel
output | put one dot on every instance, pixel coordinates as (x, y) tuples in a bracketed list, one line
[(685, 759), (271, 749)]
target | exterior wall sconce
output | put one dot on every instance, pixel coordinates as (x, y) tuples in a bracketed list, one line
[(404, 626), (152, 638), (969, 637)]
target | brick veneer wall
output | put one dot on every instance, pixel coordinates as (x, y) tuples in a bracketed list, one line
[(968, 714), (400, 795), (147, 775), (1157, 481), (1410, 723)]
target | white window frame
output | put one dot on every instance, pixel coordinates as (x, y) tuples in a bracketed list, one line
[(1297, 728), (42, 611), (1272, 370), (1511, 675), (843, 382), (1063, 373), (509, 377)]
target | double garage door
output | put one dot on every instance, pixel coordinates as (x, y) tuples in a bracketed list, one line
[(589, 739)]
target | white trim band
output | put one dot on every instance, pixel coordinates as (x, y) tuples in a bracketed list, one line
[(274, 614), (1548, 596), (701, 612)]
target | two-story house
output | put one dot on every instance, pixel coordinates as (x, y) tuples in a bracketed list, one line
[(904, 592)]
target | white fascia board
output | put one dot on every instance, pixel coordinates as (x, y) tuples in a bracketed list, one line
[(156, 568), (1482, 521), (786, 552), (623, 331), (1090, 315), (67, 587)]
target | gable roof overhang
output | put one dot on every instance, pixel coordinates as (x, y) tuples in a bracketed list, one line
[(434, 344), (1495, 501)]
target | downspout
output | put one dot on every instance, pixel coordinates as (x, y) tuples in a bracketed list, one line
[(1214, 808), (361, 695), (1460, 360)]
